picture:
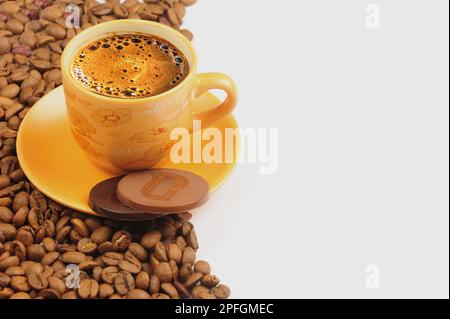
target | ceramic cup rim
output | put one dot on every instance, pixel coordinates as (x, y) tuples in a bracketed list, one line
[(79, 41)]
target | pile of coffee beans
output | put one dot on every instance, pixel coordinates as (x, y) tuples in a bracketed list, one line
[(49, 251)]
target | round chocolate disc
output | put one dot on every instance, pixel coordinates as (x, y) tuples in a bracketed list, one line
[(103, 200), (162, 190)]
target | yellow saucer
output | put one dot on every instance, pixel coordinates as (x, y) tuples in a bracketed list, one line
[(56, 165)]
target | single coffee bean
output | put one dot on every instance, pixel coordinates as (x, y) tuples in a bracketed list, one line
[(124, 282), (150, 239), (49, 258), (19, 283), (169, 289), (121, 240), (101, 235), (210, 281), (182, 290), (6, 293), (185, 271), (164, 272), (49, 294), (221, 292), (88, 289), (191, 239), (109, 274), (35, 252), (37, 279), (160, 251), (49, 244), (142, 280), (4, 280), (203, 267), (20, 295), (202, 292), (137, 294), (73, 257), (181, 242), (15, 271), (105, 290), (57, 284), (112, 258), (155, 284), (9, 262), (188, 256), (174, 252), (18, 249), (86, 246), (70, 295)]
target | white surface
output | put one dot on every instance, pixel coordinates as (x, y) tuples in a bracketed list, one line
[(363, 120)]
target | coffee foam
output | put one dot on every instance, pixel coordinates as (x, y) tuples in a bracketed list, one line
[(130, 66)]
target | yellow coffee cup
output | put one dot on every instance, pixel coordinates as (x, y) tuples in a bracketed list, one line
[(123, 135)]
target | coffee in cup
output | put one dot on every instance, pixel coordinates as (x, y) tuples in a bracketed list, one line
[(125, 65)]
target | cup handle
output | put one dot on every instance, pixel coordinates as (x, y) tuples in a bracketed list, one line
[(210, 81)]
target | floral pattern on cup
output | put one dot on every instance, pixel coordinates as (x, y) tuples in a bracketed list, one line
[(85, 146), (151, 135), (111, 118), (81, 125)]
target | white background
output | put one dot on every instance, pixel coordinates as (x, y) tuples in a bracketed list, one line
[(363, 122)]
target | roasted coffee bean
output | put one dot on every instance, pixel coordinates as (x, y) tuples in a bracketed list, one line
[(35, 252), (164, 272), (86, 246), (210, 281), (160, 251), (112, 258), (49, 294), (49, 258), (124, 282), (57, 284), (19, 283), (142, 280), (174, 252), (221, 292), (70, 295), (101, 235), (183, 291), (49, 244), (109, 274), (202, 292), (155, 284), (137, 294), (73, 257), (88, 289), (121, 240), (151, 238), (203, 267), (170, 290), (15, 271), (105, 290), (37, 279), (188, 255)]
